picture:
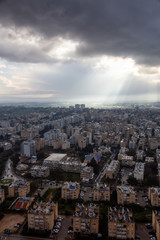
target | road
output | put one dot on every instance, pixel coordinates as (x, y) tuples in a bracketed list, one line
[(103, 171), (8, 172), (18, 237)]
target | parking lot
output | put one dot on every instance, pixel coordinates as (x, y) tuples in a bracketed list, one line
[(61, 228), (86, 194), (142, 199), (11, 220), (145, 231)]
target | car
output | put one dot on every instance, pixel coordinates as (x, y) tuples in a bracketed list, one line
[(138, 237)]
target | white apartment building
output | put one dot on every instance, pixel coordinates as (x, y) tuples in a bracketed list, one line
[(113, 169), (139, 171), (39, 171), (28, 148)]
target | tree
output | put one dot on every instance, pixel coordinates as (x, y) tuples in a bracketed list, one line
[(94, 165)]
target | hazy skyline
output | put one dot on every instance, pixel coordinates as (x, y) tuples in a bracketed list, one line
[(86, 51)]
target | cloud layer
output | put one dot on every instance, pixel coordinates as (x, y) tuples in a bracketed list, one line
[(59, 44)]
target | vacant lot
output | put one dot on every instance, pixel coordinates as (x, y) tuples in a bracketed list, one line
[(10, 220)]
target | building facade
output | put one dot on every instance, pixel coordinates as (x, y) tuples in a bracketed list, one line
[(42, 216), (121, 224), (126, 195), (113, 169), (70, 190), (101, 192), (86, 219), (19, 188)]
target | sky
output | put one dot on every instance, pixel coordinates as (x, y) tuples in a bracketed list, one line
[(80, 51)]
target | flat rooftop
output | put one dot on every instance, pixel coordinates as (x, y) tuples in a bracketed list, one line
[(55, 157)]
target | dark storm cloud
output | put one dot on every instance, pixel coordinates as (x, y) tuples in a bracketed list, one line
[(127, 28)]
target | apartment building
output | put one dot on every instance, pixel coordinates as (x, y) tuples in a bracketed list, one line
[(156, 222), (70, 190), (113, 169), (126, 195), (139, 171), (28, 148), (2, 195), (121, 224), (101, 192), (19, 188), (42, 216), (86, 219), (126, 160), (39, 171), (154, 196), (86, 173)]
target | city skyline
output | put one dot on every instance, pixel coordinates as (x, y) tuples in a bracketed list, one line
[(100, 52)]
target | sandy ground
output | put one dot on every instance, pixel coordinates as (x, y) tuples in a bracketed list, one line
[(10, 220)]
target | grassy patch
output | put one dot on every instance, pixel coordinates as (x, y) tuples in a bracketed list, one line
[(52, 194), (64, 176), (6, 181)]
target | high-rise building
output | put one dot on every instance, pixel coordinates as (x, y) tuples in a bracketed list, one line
[(28, 148)]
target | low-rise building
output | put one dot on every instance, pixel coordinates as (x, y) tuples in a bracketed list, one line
[(126, 160), (70, 190), (126, 195), (19, 188), (139, 171), (86, 173), (86, 219), (2, 195), (113, 169), (121, 224), (154, 196), (42, 216), (101, 192), (39, 171)]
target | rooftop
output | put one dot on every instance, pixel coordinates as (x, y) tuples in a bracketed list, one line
[(89, 211), (121, 215)]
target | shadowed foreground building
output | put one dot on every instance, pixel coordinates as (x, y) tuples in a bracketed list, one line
[(121, 224), (42, 216), (86, 219)]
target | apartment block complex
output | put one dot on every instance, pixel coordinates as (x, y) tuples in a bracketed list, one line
[(154, 196), (86, 219), (70, 190), (101, 192), (126, 195), (42, 216), (113, 169), (19, 188), (121, 224)]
